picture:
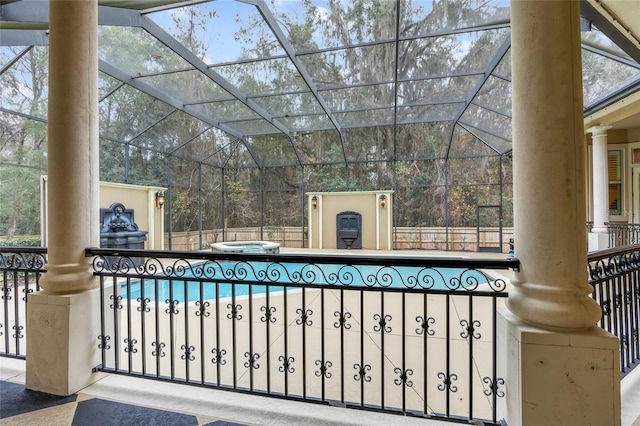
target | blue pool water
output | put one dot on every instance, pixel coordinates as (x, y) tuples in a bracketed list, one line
[(193, 290), (230, 278)]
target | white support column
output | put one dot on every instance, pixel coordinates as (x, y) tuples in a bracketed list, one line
[(561, 369), (320, 221), (599, 237), (550, 235), (63, 319)]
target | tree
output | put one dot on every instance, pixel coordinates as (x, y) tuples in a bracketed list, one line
[(23, 144)]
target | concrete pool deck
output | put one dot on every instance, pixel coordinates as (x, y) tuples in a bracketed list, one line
[(360, 342)]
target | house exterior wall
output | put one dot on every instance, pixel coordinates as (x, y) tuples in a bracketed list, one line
[(627, 141)]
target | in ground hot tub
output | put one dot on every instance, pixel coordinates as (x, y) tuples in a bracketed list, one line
[(246, 247)]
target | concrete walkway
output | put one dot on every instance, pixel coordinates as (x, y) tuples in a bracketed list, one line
[(146, 402), (153, 402)]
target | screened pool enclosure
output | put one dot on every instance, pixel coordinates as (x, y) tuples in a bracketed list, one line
[(239, 108)]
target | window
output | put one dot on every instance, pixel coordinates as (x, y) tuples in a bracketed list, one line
[(615, 182)]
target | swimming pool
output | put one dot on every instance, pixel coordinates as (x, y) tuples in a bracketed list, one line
[(227, 279)]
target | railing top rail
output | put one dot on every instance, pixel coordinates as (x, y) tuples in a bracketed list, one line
[(616, 251), (620, 224), (340, 259), (23, 259), (36, 250)]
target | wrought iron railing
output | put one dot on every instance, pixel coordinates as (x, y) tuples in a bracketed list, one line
[(21, 269), (393, 334), (366, 354), (615, 277), (623, 234)]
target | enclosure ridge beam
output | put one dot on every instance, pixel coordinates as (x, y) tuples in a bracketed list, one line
[(249, 60), (163, 73), (359, 126), (328, 87)]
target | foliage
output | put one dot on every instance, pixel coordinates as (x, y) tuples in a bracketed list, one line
[(440, 171), (20, 242), (23, 145), (137, 129)]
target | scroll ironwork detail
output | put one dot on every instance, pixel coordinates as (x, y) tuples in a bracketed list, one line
[(447, 382), (323, 368), (403, 377), (361, 372), (218, 356)]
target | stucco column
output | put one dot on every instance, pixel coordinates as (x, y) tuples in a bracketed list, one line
[(560, 367), (72, 196), (548, 166), (62, 319), (600, 188)]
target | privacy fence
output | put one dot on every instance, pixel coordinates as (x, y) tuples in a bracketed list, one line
[(405, 238)]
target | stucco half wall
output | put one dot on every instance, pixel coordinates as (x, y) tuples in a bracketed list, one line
[(142, 199), (376, 208)]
